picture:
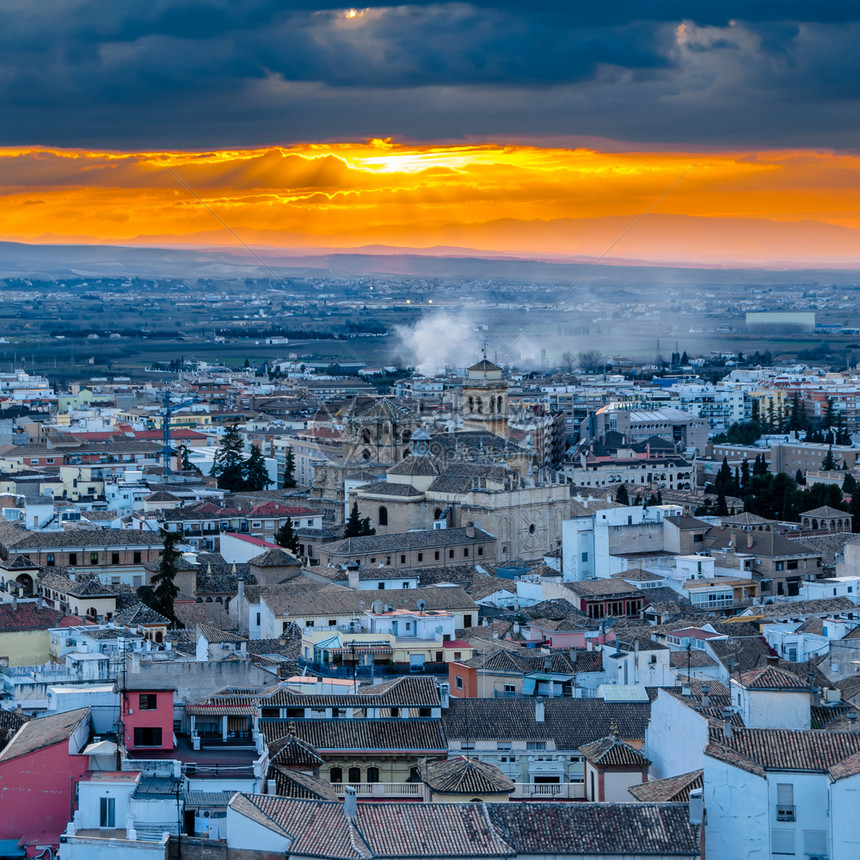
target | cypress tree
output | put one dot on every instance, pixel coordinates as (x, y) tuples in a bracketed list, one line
[(353, 523), (287, 538), (621, 496), (290, 470), (229, 464), (256, 473), (161, 594)]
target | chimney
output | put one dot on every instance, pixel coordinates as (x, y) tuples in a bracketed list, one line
[(728, 729), (352, 578), (539, 710), (749, 540), (15, 601), (852, 721), (772, 660), (697, 806), (271, 787), (706, 695), (350, 803), (470, 529)]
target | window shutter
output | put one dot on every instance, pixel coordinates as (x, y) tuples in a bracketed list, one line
[(785, 794)]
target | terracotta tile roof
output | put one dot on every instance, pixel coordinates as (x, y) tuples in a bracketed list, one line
[(463, 775), (27, 616), (570, 723), (294, 783), (382, 831), (598, 829), (611, 751), (424, 539), (674, 789), (761, 750), (274, 558), (771, 678), (696, 659), (385, 736), (291, 751)]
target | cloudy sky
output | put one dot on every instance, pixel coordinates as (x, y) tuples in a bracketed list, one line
[(529, 127)]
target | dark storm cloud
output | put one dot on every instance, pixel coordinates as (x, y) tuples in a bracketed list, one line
[(218, 73)]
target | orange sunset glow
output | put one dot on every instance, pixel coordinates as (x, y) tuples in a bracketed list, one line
[(759, 207)]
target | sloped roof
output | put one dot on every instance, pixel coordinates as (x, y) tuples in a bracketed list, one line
[(140, 614), (44, 732), (826, 512), (463, 775), (274, 558), (771, 678), (611, 751), (291, 751), (598, 829), (382, 831), (294, 783), (761, 750), (418, 736), (674, 789), (27, 616)]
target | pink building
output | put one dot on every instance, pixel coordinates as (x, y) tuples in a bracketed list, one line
[(39, 769), (147, 715)]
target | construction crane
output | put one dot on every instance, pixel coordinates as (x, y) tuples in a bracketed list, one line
[(166, 411)]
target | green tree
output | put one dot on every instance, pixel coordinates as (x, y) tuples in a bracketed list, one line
[(353, 523), (366, 528), (829, 463), (849, 484), (684, 359), (162, 592), (722, 507), (229, 464), (745, 474), (290, 470), (185, 461), (621, 496), (854, 510), (799, 479), (255, 471), (755, 410), (286, 537), (760, 465)]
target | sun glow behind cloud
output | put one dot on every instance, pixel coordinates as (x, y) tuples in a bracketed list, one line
[(490, 197)]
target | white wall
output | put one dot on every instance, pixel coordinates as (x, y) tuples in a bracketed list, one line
[(737, 823), (90, 793), (242, 833), (844, 820), (765, 709), (675, 739)]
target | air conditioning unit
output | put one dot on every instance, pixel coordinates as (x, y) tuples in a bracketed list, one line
[(205, 814)]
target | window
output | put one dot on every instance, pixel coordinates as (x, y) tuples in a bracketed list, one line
[(258, 619), (114, 558), (436, 555), (403, 559), (467, 745), (49, 560), (380, 586), (480, 550), (335, 775), (383, 515), (148, 701), (355, 774), (136, 581), (504, 746), (136, 557), (510, 688), (458, 682), (420, 556), (536, 745), (147, 736), (94, 558), (373, 774), (585, 556), (465, 552), (404, 585), (73, 558), (784, 802), (332, 622)]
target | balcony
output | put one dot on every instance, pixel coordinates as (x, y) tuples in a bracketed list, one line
[(383, 790), (548, 791), (785, 812)]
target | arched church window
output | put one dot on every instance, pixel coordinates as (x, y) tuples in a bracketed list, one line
[(383, 515)]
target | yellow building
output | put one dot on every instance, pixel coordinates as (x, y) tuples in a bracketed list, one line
[(24, 637)]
